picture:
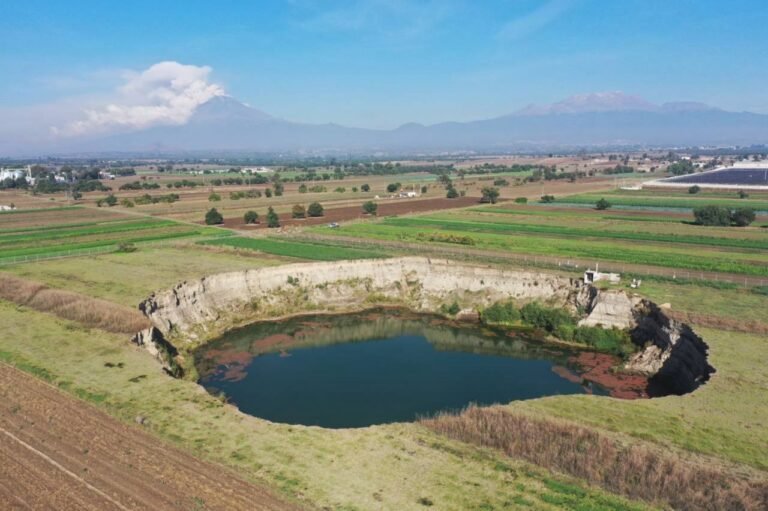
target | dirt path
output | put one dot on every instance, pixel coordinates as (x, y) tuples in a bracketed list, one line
[(60, 453)]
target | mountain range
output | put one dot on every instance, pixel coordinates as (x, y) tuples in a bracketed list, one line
[(598, 119)]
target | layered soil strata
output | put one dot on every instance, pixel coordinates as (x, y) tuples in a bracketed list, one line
[(670, 354)]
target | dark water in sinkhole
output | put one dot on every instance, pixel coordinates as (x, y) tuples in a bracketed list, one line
[(377, 367)]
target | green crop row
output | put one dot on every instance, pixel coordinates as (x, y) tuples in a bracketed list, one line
[(138, 236), (94, 229), (672, 257), (665, 202), (299, 249), (559, 230)]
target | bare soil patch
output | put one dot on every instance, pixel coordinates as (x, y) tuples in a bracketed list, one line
[(387, 207), (60, 453)]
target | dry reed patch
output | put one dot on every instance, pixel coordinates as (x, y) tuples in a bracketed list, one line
[(90, 312), (637, 471)]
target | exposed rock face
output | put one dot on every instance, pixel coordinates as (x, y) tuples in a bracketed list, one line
[(611, 309), (193, 308), (674, 358)]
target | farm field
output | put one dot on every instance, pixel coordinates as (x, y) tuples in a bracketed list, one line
[(97, 463), (26, 235), (585, 236), (295, 249), (404, 465), (664, 199)]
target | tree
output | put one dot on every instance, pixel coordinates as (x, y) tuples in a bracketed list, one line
[(393, 187), (299, 211), (490, 194), (251, 217), (694, 189), (521, 200), (366, 187), (302, 188), (268, 192), (370, 207), (742, 217), (213, 217), (111, 200), (214, 197), (424, 189), (279, 187), (315, 209), (602, 204), (743, 194), (451, 193), (272, 219), (547, 199), (712, 215)]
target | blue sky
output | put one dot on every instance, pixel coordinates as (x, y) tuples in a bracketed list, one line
[(378, 63)]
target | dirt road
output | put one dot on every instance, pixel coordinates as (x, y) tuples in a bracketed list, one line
[(60, 453)]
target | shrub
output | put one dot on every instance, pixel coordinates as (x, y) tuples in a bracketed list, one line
[(602, 204), (743, 194), (451, 193), (712, 215), (214, 197), (521, 200), (299, 211), (543, 317), (268, 192), (610, 340), (340, 189), (251, 217), (302, 188), (370, 208), (126, 248), (393, 187), (279, 187), (451, 309), (315, 209), (127, 203), (213, 217), (272, 219), (366, 188), (500, 182), (354, 189), (742, 217), (490, 194), (694, 189), (547, 199), (500, 312), (111, 200), (424, 189)]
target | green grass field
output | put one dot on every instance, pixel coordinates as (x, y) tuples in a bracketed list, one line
[(753, 262), (297, 249), (662, 200), (49, 241)]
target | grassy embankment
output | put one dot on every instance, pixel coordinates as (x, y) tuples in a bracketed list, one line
[(663, 199)]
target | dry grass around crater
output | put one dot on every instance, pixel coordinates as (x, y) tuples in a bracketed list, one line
[(89, 312), (634, 470)]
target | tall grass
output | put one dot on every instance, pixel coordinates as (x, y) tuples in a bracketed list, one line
[(90, 312), (636, 471)]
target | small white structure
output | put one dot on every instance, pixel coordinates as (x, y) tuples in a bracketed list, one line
[(4, 207), (12, 174), (592, 276)]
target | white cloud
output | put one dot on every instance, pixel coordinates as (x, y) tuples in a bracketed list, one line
[(535, 20), (165, 93)]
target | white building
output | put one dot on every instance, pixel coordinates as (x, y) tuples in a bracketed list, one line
[(12, 174)]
